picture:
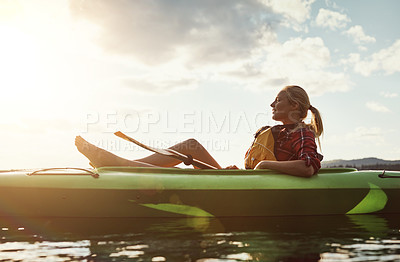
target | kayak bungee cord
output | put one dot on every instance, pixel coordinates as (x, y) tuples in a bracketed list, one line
[(44, 170)]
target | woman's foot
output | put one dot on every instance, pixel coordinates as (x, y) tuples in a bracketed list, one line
[(92, 152), (84, 146), (99, 157)]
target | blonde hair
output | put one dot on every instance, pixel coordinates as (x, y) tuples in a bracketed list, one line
[(297, 95)]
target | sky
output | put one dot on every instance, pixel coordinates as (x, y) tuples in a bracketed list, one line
[(163, 71)]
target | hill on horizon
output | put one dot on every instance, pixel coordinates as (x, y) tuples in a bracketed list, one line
[(371, 163)]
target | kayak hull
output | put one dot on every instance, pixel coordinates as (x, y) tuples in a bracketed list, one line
[(151, 192)]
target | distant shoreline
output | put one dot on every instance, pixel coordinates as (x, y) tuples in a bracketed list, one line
[(370, 163)]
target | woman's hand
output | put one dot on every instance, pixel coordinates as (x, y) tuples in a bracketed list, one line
[(292, 167), (262, 165), (231, 167)]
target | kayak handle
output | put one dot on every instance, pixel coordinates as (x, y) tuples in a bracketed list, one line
[(44, 170), (383, 175)]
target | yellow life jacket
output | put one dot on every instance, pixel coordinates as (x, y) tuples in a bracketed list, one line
[(261, 149)]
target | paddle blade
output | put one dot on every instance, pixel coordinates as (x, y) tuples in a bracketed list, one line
[(123, 136)]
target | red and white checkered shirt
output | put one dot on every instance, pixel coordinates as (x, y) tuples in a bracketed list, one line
[(296, 145)]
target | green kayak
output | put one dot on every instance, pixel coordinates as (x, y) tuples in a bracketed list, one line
[(172, 192)]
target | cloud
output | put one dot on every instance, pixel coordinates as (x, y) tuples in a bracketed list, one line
[(206, 31), (389, 94), (372, 135), (331, 19), (157, 31), (295, 12), (386, 60), (150, 84), (376, 107), (359, 36), (333, 5), (177, 44), (335, 20), (298, 61)]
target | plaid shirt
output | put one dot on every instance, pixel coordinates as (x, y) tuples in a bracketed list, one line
[(296, 145)]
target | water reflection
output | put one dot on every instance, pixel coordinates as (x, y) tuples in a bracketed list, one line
[(51, 251), (314, 238)]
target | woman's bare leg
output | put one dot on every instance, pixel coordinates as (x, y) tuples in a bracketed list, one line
[(99, 157), (188, 147)]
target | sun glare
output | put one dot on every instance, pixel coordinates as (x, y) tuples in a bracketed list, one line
[(19, 63), (40, 47), (44, 54)]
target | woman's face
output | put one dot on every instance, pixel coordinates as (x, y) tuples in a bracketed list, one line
[(284, 111)]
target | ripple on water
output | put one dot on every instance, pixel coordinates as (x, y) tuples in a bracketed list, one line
[(50, 251), (261, 239)]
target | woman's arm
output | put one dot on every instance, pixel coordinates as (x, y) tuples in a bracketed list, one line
[(292, 167)]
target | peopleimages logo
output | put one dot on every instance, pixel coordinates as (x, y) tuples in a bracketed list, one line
[(188, 124), (184, 122), (116, 144)]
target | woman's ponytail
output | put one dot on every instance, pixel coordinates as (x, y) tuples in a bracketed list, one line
[(316, 124)]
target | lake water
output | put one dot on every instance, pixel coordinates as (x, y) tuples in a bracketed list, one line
[(314, 238)]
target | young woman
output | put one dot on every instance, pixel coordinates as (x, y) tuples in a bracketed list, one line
[(289, 148)]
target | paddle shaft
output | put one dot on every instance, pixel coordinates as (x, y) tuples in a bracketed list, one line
[(168, 152)]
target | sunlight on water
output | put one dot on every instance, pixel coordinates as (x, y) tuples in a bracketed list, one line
[(382, 250), (130, 251), (51, 251), (158, 259), (240, 256)]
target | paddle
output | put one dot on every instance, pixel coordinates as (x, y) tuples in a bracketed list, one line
[(186, 159)]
